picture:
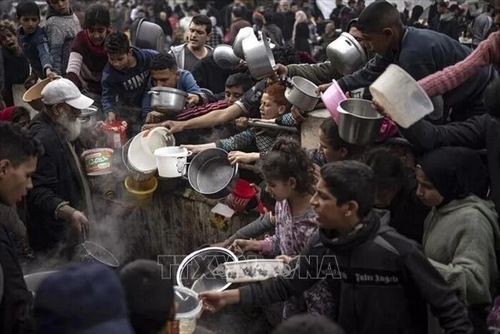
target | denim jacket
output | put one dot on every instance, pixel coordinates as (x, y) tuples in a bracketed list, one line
[(35, 47)]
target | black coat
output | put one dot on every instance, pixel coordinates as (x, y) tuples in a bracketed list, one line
[(381, 280), (15, 306), (55, 181)]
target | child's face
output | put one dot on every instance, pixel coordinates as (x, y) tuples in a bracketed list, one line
[(29, 23), (280, 190), (60, 6), (270, 109), (97, 34), (118, 61), (9, 40)]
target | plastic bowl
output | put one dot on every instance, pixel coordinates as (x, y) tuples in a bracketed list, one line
[(189, 307), (33, 96), (332, 97)]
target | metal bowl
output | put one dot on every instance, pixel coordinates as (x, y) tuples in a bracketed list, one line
[(303, 93), (203, 270), (149, 35), (168, 100), (224, 56), (346, 54), (359, 122), (259, 57), (243, 34)]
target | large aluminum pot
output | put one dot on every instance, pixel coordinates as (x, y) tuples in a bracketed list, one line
[(346, 54), (259, 57), (211, 174), (302, 93), (148, 35), (224, 56), (243, 34), (359, 122), (89, 117), (168, 100)]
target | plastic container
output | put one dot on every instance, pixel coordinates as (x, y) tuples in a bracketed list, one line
[(141, 193), (156, 138), (98, 161), (116, 133), (171, 161), (33, 96), (253, 270), (241, 195), (189, 307), (401, 96), (331, 98)]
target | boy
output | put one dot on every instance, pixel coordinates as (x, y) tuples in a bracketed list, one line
[(33, 40), (382, 281), (126, 75), (61, 26)]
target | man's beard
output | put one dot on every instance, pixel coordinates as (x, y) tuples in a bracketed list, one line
[(70, 128)]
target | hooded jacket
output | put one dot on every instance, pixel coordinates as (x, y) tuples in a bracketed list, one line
[(381, 280), (449, 232), (126, 86)]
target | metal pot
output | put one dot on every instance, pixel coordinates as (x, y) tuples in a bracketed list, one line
[(259, 57), (346, 54), (148, 35), (89, 117), (168, 100), (359, 122), (203, 270), (302, 93), (243, 34), (224, 56), (211, 174)]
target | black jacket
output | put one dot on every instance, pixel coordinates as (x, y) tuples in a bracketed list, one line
[(383, 285), (477, 133), (15, 306), (55, 181)]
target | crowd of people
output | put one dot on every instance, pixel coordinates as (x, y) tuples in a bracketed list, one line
[(378, 234)]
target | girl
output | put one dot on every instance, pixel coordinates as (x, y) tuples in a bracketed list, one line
[(88, 58), (289, 177), (461, 231)]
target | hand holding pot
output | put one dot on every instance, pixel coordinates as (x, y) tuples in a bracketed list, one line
[(235, 157), (199, 148), (174, 126), (281, 70), (247, 245), (154, 117), (79, 222), (297, 115), (241, 123), (193, 99), (324, 87)]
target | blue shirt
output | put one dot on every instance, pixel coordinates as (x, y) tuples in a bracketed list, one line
[(35, 48)]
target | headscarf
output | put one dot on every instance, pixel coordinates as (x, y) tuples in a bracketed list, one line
[(456, 172), (300, 17), (7, 113)]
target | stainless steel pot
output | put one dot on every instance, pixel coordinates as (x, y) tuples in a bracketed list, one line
[(224, 56), (346, 54), (259, 57), (89, 117), (148, 35), (211, 174), (302, 93), (243, 34), (168, 100), (359, 122)]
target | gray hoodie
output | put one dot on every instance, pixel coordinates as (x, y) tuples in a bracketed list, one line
[(460, 239)]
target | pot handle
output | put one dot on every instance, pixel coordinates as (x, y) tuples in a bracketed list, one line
[(348, 42), (152, 92), (185, 170)]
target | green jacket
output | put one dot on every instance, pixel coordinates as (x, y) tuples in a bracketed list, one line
[(319, 74), (460, 239)]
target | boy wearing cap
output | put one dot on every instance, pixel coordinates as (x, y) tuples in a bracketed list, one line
[(60, 192)]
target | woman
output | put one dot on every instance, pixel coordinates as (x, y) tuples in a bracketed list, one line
[(461, 231), (300, 34), (88, 58)]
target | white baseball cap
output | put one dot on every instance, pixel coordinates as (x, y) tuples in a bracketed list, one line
[(65, 91)]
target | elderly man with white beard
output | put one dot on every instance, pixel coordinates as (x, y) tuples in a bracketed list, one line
[(60, 193)]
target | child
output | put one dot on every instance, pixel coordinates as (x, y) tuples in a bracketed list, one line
[(61, 26), (16, 67), (273, 104), (288, 173), (126, 75), (88, 58), (33, 40)]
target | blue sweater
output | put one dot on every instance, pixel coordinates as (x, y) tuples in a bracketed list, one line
[(35, 47), (186, 83), (126, 86)]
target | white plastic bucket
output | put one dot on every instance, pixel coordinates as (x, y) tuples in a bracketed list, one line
[(171, 161), (401, 96)]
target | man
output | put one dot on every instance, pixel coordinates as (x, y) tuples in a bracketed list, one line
[(447, 23), (382, 282), (164, 73), (348, 14), (360, 5), (189, 54), (18, 158), (236, 86), (419, 52), (60, 193), (238, 22), (125, 77), (483, 23), (335, 15), (285, 19)]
